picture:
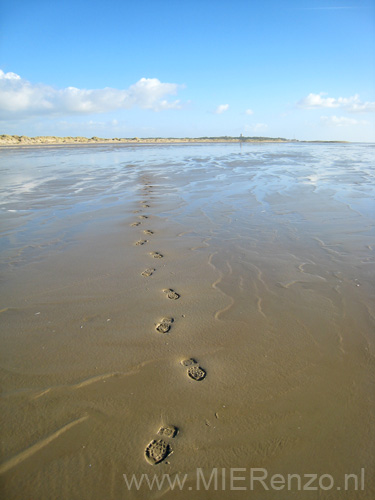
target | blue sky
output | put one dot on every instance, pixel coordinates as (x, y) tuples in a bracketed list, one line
[(162, 68)]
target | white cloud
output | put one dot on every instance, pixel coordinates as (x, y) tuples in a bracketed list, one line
[(220, 109), (249, 112), (352, 104), (20, 98), (9, 76), (342, 121)]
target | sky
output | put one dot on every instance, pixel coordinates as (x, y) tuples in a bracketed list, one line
[(298, 69)]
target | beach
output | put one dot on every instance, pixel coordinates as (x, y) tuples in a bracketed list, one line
[(17, 140), (214, 300)]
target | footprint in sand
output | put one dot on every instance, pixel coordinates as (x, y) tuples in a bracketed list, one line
[(148, 231), (165, 325), (157, 255), (168, 431), (141, 242), (188, 362), (171, 294), (194, 371), (134, 224), (148, 272), (158, 449), (143, 216), (145, 205)]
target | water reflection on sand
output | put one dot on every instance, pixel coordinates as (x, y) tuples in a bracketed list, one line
[(271, 250)]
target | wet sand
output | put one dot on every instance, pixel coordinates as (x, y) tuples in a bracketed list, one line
[(121, 264)]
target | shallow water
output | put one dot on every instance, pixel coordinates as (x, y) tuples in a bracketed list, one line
[(271, 247)]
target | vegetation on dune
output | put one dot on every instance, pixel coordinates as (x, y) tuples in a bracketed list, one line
[(17, 140), (49, 139)]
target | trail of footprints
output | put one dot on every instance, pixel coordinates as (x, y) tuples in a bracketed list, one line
[(159, 449)]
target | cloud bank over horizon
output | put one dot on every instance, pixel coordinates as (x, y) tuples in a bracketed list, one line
[(352, 104), (20, 98), (40, 109), (342, 121)]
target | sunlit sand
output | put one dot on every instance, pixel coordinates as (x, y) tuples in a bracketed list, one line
[(179, 307)]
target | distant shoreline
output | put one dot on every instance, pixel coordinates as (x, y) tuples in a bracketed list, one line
[(16, 140)]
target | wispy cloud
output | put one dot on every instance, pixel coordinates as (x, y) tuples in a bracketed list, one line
[(328, 8), (256, 127), (20, 98), (341, 121), (352, 104), (249, 112), (338, 7), (221, 109)]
